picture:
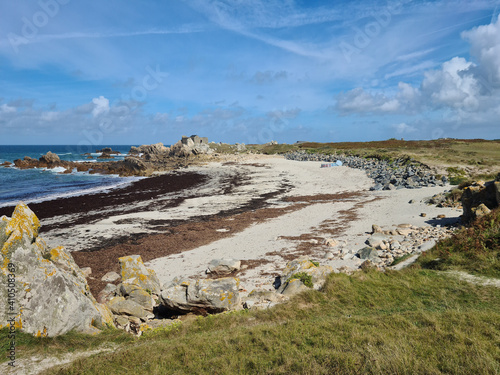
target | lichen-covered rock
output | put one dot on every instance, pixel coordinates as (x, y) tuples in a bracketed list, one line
[(110, 277), (135, 272), (293, 287), (105, 295), (143, 298), (304, 267), (203, 295), (121, 306), (51, 295)]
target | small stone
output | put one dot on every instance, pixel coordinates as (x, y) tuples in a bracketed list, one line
[(376, 229), (331, 242), (412, 201), (223, 266), (110, 277), (423, 214), (404, 226), (329, 255), (376, 239), (441, 216)]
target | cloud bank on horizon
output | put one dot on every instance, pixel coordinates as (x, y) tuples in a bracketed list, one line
[(116, 72)]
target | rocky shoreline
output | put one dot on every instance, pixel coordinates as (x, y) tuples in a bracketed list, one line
[(282, 231), (387, 175)]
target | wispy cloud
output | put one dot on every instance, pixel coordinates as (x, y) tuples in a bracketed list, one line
[(419, 68), (186, 29)]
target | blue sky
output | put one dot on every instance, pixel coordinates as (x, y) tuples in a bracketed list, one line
[(132, 72)]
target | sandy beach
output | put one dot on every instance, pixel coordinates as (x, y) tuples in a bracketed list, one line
[(262, 210)]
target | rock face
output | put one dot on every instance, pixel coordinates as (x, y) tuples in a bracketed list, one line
[(51, 295), (134, 165), (133, 271), (306, 272), (212, 296), (479, 198), (397, 174), (188, 146)]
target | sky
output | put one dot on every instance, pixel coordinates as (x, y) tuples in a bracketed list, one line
[(96, 73)]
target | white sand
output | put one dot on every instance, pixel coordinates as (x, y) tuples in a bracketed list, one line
[(306, 178), (268, 174)]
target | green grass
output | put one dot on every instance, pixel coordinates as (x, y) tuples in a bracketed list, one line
[(412, 322), (28, 345), (304, 277), (400, 259), (475, 249)]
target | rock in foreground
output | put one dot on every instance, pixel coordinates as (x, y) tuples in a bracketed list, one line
[(212, 296), (48, 294)]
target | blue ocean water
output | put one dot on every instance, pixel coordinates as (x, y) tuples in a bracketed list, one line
[(32, 185)]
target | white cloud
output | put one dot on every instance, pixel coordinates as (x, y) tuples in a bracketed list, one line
[(467, 90), (101, 105), (5, 108), (485, 48), (452, 86), (50, 116), (284, 114), (359, 100), (404, 128)]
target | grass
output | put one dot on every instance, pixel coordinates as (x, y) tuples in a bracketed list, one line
[(28, 345), (400, 259), (475, 249), (416, 321), (304, 277)]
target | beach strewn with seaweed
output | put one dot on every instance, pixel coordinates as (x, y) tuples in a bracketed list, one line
[(276, 224), (250, 187)]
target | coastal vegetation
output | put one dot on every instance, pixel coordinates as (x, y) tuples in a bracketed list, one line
[(460, 158), (416, 321)]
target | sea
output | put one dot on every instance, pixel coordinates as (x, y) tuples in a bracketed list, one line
[(40, 184)]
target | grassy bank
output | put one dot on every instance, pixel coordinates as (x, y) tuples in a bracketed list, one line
[(411, 322), (475, 249)]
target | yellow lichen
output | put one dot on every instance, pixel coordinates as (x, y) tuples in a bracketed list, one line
[(25, 220)]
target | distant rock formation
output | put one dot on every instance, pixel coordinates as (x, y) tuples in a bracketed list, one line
[(108, 150), (47, 293), (50, 158)]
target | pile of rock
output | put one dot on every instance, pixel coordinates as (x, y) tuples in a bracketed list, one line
[(187, 146), (47, 293), (139, 302), (107, 153), (384, 246), (298, 276), (49, 160), (387, 175)]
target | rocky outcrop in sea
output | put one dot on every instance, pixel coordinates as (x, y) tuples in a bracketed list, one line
[(387, 175)]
